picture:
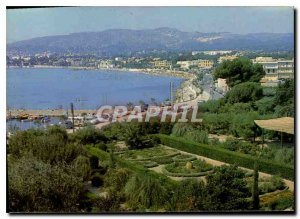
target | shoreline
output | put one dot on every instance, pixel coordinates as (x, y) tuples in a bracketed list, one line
[(158, 72)]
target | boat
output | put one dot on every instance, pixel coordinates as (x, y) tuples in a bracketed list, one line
[(24, 116)]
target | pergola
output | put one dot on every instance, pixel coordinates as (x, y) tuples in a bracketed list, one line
[(282, 125)]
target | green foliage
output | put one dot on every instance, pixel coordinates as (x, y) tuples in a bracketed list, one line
[(286, 171), (243, 125), (212, 106), (217, 123), (238, 71), (83, 167), (116, 179), (145, 191), (134, 138), (278, 201), (180, 129), (197, 136), (265, 105), (244, 92), (188, 196), (285, 93), (199, 168), (226, 189), (50, 146), (89, 135), (35, 186), (233, 144)]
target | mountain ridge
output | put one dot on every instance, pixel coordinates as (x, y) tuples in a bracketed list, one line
[(126, 41)]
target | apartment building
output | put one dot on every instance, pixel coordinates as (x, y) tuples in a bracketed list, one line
[(206, 64), (163, 64), (275, 69)]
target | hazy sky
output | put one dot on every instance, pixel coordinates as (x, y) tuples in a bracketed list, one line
[(29, 23)]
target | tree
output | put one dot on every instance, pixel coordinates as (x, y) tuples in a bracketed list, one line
[(35, 186), (238, 71), (255, 190), (226, 190), (244, 92), (188, 196), (285, 93), (145, 191)]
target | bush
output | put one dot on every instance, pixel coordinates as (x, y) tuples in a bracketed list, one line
[(226, 156), (180, 129), (245, 92), (97, 180), (101, 146), (199, 168), (144, 191), (116, 179), (88, 135), (197, 136)]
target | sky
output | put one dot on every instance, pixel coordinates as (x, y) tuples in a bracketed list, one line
[(25, 24)]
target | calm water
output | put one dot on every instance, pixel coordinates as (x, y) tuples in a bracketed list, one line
[(14, 124), (32, 88)]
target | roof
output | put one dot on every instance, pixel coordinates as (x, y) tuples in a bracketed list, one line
[(284, 124)]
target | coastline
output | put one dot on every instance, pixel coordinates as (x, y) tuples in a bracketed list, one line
[(157, 72)]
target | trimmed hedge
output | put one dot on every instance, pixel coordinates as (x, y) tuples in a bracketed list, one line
[(134, 167), (186, 174), (227, 156)]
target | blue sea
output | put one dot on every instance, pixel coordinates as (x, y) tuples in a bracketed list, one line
[(53, 88)]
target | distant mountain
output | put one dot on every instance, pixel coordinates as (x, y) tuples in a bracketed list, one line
[(124, 41)]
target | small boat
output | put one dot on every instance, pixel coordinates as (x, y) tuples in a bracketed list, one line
[(24, 116)]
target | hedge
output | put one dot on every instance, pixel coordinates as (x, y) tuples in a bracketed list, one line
[(186, 174), (134, 167), (227, 156)]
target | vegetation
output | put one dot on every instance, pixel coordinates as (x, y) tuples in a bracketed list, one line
[(226, 189), (238, 71), (185, 169), (227, 156)]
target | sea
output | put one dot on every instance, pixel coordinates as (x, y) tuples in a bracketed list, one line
[(56, 88)]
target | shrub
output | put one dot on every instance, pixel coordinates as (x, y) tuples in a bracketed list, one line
[(226, 156), (101, 146), (145, 191), (199, 168), (116, 179), (245, 92), (89, 135), (197, 136), (180, 129)]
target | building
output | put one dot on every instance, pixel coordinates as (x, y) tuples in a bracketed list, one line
[(275, 69), (162, 64), (206, 64), (221, 85), (227, 58), (213, 52), (105, 64)]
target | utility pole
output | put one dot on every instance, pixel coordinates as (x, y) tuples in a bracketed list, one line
[(72, 112), (171, 92)]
